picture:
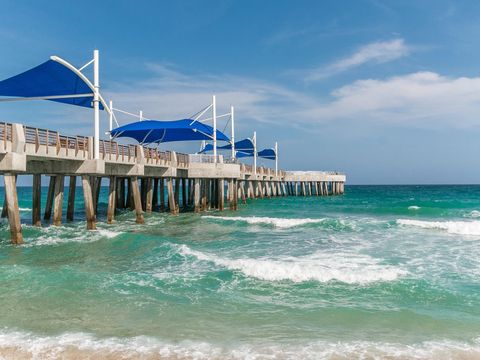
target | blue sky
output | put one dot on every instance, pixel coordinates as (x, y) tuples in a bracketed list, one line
[(386, 91)]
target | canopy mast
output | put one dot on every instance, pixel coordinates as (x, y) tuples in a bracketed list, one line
[(276, 158), (110, 119), (96, 107), (232, 117), (214, 115), (255, 152)]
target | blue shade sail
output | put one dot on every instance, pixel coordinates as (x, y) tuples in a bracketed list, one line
[(155, 131), (208, 147), (49, 79), (245, 145), (268, 154), (243, 154)]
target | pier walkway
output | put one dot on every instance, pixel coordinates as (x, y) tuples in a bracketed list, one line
[(141, 178)]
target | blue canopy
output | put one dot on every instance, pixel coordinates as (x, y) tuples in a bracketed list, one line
[(267, 154), (49, 79), (155, 131), (241, 154), (245, 145)]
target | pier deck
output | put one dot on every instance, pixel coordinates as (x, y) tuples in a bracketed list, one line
[(137, 177)]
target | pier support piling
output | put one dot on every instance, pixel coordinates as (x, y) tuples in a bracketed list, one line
[(149, 195), (71, 197), (162, 194), (171, 198), (112, 197), (36, 200), (137, 200), (58, 208), (196, 194), (12, 209), (48, 206), (88, 200)]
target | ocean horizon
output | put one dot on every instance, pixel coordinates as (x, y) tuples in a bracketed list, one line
[(383, 271)]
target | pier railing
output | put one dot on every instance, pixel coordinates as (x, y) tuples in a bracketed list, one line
[(204, 158), (51, 142), (157, 157), (5, 134)]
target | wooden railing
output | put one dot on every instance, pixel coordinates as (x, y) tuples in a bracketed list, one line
[(51, 142), (5, 133), (248, 168), (48, 139), (155, 156), (182, 159)]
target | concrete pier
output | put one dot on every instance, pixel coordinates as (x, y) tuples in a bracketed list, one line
[(137, 176)]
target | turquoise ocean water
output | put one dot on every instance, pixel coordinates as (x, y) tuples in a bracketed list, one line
[(380, 272)]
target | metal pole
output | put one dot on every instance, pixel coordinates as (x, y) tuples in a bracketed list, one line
[(214, 115), (96, 105), (276, 158), (255, 152), (141, 115), (232, 116), (110, 119)]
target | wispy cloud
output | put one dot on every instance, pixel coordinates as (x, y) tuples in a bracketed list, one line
[(421, 99), (376, 52), (169, 93)]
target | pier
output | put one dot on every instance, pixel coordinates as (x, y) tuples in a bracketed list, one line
[(140, 178)]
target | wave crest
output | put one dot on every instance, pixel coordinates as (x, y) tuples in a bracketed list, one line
[(282, 223), (321, 267), (14, 345), (452, 227)]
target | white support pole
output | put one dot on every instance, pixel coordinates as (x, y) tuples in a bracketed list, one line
[(110, 118), (202, 145), (141, 115), (255, 152), (214, 115), (276, 159), (232, 116), (96, 105)]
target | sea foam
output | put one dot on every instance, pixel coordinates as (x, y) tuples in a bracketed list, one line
[(54, 235), (16, 344), (452, 227), (282, 223), (321, 267)]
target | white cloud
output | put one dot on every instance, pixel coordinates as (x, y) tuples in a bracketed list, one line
[(422, 99), (169, 93), (377, 52)]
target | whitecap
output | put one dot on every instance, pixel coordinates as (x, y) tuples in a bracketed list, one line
[(452, 227), (414, 207), (323, 267), (282, 223), (17, 344), (474, 214), (53, 235)]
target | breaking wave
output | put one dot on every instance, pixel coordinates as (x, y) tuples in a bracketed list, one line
[(473, 214), (277, 222), (452, 227), (321, 267), (414, 207), (14, 345), (53, 235)]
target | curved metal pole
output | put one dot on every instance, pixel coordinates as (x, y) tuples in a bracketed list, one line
[(83, 77)]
